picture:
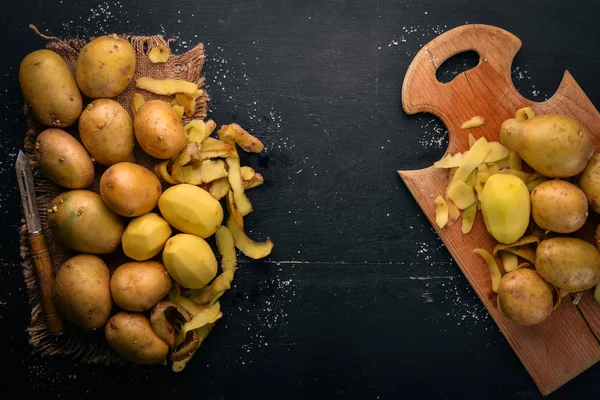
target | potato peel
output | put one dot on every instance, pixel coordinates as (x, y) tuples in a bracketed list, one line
[(206, 316), (529, 239), (461, 194), (165, 86), (510, 262), (474, 122), (256, 180), (219, 188), (493, 267), (239, 135), (188, 102), (453, 213), (242, 202), (161, 170), (441, 212), (137, 101), (469, 218), (249, 247), (524, 113), (233, 211), (472, 159), (159, 54), (201, 333)]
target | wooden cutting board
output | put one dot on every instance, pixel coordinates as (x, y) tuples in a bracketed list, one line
[(566, 344)]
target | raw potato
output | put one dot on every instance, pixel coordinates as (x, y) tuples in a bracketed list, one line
[(190, 261), (105, 66), (81, 221), (49, 89), (130, 189), (145, 236), (159, 54), (559, 206), (63, 159), (106, 131), (166, 86), (191, 209), (556, 146), (139, 286), (473, 122), (589, 182), (568, 263), (505, 205), (158, 129), (524, 297), (130, 335), (82, 292)]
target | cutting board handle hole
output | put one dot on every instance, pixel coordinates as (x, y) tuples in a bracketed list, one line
[(456, 65)]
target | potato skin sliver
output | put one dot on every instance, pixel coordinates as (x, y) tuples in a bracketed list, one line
[(249, 247), (493, 266)]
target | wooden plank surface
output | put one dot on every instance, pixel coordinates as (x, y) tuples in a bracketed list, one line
[(560, 348)]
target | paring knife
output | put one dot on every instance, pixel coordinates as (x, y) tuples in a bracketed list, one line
[(38, 246)]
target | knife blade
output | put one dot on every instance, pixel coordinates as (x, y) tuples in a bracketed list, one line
[(37, 245)]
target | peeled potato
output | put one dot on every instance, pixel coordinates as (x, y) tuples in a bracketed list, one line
[(145, 236)]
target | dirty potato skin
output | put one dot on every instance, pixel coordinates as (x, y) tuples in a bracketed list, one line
[(589, 182), (158, 129), (138, 286), (82, 293), (568, 263), (129, 189), (82, 222), (105, 66), (130, 334), (63, 159), (49, 88), (524, 297), (559, 206), (106, 131)]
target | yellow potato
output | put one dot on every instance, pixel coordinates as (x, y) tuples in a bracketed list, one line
[(589, 182), (130, 189), (158, 129), (569, 263), (559, 206), (105, 66), (49, 89), (556, 146), (190, 261), (130, 335), (145, 236), (82, 292), (505, 205), (138, 286), (524, 297), (81, 221), (106, 131), (191, 209), (63, 159)]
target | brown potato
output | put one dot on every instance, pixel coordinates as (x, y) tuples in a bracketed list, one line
[(82, 222), (158, 129), (571, 264), (130, 335), (589, 182), (558, 206), (524, 297), (49, 88), (82, 293), (130, 189), (106, 131), (138, 286), (105, 66), (63, 159)]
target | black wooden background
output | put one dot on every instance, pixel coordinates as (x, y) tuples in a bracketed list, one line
[(359, 299)]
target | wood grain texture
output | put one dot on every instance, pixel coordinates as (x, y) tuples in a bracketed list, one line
[(566, 344), (45, 281)]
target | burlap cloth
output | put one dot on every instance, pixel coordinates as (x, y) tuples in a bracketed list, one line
[(91, 347)]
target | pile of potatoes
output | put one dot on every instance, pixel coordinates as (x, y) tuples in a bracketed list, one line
[(536, 211), (164, 298)]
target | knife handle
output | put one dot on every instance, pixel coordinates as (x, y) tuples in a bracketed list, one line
[(45, 280)]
